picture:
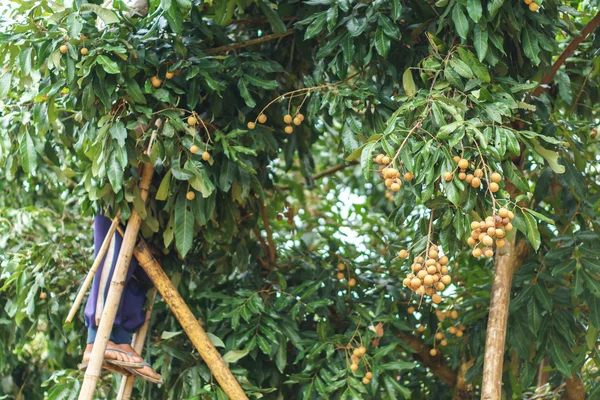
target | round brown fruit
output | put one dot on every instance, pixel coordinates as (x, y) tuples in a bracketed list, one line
[(366, 381), (63, 49), (496, 177), (500, 243), (84, 51), (403, 254), (462, 176), (421, 328), (489, 253), (487, 240), (459, 333), (439, 336), (527, 1), (287, 119), (533, 7), (395, 186), (206, 156), (410, 310), (463, 164), (478, 173), (251, 125), (433, 352), (43, 295), (340, 275), (169, 75), (408, 176), (190, 195), (352, 282), (386, 160), (155, 81), (300, 116), (446, 279), (448, 176), (494, 187), (454, 314), (354, 367), (436, 298), (476, 252), (194, 149), (456, 159), (503, 212), (262, 118), (444, 342), (406, 282), (289, 129), (508, 227), (443, 260), (297, 121), (369, 375), (469, 178), (192, 121), (476, 182)]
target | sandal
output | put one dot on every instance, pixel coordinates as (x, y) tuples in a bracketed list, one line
[(124, 363), (106, 366), (147, 378)]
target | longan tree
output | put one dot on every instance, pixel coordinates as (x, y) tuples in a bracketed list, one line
[(359, 200)]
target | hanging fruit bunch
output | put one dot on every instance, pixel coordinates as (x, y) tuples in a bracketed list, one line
[(474, 178), (492, 229), (429, 275), (391, 175)]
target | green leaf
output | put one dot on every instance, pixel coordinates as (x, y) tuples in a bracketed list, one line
[(530, 45), (461, 23), (382, 42), (5, 85), (558, 357), (316, 26), (408, 83), (396, 9), (366, 160), (461, 68), (594, 304), (398, 366), (109, 65), (234, 355), (245, 93), (493, 6), (28, 154), (118, 132), (480, 41), (163, 190), (527, 224), (276, 23), (551, 157), (541, 293), (261, 83), (115, 172), (474, 9), (184, 224), (563, 268), (106, 15), (540, 216)]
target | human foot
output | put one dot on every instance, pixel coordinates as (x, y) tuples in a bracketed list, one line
[(124, 354)]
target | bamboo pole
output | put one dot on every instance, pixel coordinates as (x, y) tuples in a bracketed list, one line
[(188, 321), (92, 272), (115, 292), (138, 345)]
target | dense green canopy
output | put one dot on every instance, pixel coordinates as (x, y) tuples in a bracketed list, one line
[(254, 234)]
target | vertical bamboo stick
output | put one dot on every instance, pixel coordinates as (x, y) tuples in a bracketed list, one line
[(94, 269), (188, 321), (138, 345), (115, 292)]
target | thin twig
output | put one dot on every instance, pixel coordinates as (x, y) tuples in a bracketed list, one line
[(251, 42)]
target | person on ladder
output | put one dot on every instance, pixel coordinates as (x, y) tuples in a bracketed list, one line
[(119, 357)]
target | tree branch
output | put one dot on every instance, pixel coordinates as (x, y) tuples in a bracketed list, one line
[(436, 364), (263, 214), (328, 171), (258, 20), (251, 42), (589, 28)]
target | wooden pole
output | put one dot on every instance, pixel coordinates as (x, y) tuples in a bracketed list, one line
[(92, 272), (188, 321), (138, 345), (507, 260), (115, 292)]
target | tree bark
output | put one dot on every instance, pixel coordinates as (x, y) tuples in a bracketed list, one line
[(189, 323), (575, 389), (463, 390), (436, 364), (115, 293), (508, 259)]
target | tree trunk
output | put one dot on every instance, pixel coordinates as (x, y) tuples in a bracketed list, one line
[(463, 390), (508, 259), (436, 364), (575, 389)]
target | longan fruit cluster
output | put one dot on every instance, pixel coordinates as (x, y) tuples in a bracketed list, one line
[(195, 149), (297, 119), (355, 358), (340, 275), (473, 179), (533, 7), (484, 232), (390, 175), (428, 276)]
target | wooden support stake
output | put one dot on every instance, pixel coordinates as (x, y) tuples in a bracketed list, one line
[(115, 293), (90, 276), (188, 321), (138, 345)]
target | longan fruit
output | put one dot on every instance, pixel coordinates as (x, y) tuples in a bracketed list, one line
[(448, 176), (456, 159), (500, 243), (476, 252), (262, 118), (403, 254), (422, 274), (494, 187), (341, 267), (428, 280), (446, 279), (410, 310), (433, 352), (366, 381), (155, 81), (388, 182), (287, 119), (444, 270), (409, 176), (443, 260), (352, 282), (63, 49), (297, 121), (369, 375), (406, 282), (475, 225), (478, 173), (190, 195), (419, 260), (508, 227), (298, 115), (533, 7), (416, 267), (469, 178), (433, 253), (500, 233), (489, 253), (491, 231), (511, 215), (378, 158), (84, 51), (169, 75), (444, 342), (421, 328), (340, 275), (452, 330), (454, 314), (206, 156), (495, 177), (354, 367), (487, 240), (503, 212), (43, 295), (459, 333), (251, 125), (436, 298), (476, 182), (439, 336), (194, 149), (471, 241), (527, 1), (395, 186), (386, 160), (362, 350), (289, 129), (463, 164), (440, 286), (192, 121), (430, 261), (432, 269), (421, 291), (462, 176)]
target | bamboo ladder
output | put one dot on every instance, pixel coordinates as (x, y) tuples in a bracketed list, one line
[(169, 293)]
